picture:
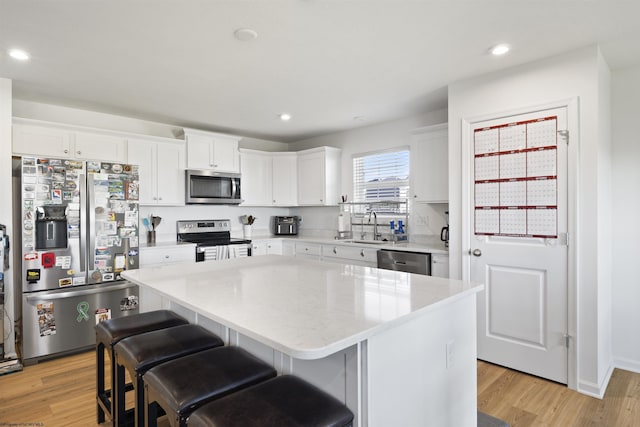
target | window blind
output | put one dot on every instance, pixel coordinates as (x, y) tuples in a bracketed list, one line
[(381, 176)]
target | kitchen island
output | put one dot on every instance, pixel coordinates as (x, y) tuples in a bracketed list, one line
[(396, 348)]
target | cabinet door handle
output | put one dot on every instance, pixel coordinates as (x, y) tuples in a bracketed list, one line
[(66, 151), (335, 250), (362, 253), (159, 198), (166, 256), (78, 152)]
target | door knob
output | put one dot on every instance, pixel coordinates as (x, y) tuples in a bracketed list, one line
[(476, 252)]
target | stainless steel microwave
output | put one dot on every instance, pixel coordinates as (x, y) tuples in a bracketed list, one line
[(212, 188)]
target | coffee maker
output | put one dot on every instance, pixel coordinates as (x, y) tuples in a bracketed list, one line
[(444, 233)]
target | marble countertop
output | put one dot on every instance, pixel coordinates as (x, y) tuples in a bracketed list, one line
[(303, 308)]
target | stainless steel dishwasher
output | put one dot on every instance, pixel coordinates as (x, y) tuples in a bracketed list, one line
[(410, 262)]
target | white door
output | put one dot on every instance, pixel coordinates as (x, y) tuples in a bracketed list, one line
[(518, 240)]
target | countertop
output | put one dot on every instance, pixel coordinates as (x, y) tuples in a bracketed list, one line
[(302, 308)]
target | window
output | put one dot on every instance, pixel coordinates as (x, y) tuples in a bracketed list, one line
[(381, 176)]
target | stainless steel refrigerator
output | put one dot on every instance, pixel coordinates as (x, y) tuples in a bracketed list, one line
[(79, 232)]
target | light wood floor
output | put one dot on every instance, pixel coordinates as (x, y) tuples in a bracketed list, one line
[(62, 393), (524, 400)]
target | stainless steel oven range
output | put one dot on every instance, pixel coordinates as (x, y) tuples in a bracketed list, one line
[(213, 239)]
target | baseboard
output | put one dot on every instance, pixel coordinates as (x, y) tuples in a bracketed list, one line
[(627, 364), (596, 390)]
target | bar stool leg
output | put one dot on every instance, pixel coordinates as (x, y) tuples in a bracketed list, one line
[(100, 380), (150, 410), (118, 398)]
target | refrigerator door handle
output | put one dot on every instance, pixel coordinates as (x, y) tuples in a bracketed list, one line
[(83, 221), (57, 295), (91, 207)]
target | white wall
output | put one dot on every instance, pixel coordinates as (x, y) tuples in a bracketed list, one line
[(6, 209), (365, 139), (574, 74), (626, 227)]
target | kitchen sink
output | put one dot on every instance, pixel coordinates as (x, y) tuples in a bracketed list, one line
[(369, 242)]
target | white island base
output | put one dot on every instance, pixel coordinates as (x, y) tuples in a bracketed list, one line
[(398, 349)]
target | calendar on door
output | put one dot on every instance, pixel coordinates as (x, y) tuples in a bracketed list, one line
[(516, 179)]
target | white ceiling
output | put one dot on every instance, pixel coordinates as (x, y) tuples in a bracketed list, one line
[(323, 61)]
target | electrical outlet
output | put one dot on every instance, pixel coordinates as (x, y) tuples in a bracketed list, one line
[(450, 351)]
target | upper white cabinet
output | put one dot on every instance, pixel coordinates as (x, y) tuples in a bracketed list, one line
[(256, 185), (92, 146), (268, 179), (319, 176), (209, 150), (284, 179), (161, 170), (54, 140), (429, 164)]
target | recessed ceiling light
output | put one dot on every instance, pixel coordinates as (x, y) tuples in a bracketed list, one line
[(18, 54), (245, 34), (358, 118), (285, 117), (500, 49)]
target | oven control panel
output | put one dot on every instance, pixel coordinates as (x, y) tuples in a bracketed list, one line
[(203, 226)]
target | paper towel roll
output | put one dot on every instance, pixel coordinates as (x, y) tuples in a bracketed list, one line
[(341, 223)]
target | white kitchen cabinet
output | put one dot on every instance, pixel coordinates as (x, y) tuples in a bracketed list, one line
[(67, 142), (288, 248), (356, 255), (319, 171), (284, 179), (440, 265), (94, 146), (166, 254), (256, 169), (161, 170), (268, 179), (162, 254), (266, 247), (212, 151), (429, 164), (308, 250)]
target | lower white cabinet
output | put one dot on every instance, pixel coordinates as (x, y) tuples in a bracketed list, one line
[(288, 248), (266, 247), (440, 265), (355, 255), (310, 250), (161, 255)]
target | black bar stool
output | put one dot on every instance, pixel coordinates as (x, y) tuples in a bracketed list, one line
[(108, 333), (182, 385), (139, 353), (285, 401)]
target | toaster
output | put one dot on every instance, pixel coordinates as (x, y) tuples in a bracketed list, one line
[(285, 225)]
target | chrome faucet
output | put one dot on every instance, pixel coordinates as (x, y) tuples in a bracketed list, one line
[(375, 224)]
